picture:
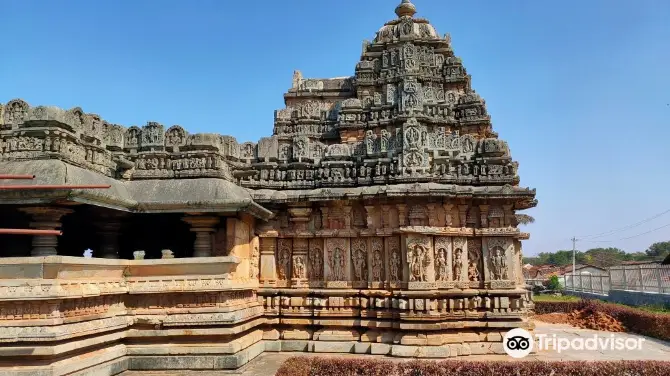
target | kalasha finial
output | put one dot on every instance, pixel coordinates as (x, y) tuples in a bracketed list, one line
[(406, 8)]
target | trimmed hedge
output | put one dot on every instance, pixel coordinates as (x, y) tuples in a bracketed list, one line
[(656, 325), (315, 366)]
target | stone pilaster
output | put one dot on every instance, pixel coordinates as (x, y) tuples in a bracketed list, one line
[(370, 219), (386, 219), (45, 218), (299, 262), (268, 270), (203, 227), (432, 215), (462, 215), (484, 215), (402, 215), (300, 218), (509, 215), (448, 216)]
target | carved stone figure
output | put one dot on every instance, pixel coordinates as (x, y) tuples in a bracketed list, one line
[(316, 264), (441, 266), (418, 260), (359, 260), (299, 268), (377, 266), (337, 262), (284, 259), (458, 264)]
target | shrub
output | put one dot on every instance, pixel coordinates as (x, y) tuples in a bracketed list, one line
[(652, 324), (315, 366), (554, 284)]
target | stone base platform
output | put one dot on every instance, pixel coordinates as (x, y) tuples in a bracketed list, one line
[(120, 358)]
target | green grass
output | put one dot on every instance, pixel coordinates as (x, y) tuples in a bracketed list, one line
[(551, 298)]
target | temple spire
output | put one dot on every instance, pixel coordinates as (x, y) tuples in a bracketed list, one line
[(406, 8)]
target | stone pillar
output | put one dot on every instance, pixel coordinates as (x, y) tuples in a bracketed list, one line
[(204, 227), (109, 228), (45, 218)]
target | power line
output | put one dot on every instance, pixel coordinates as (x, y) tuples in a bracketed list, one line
[(626, 238), (623, 228)]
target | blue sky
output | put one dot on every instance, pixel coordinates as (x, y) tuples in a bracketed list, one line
[(579, 89)]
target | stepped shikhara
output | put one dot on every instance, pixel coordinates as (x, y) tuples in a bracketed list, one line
[(378, 218)]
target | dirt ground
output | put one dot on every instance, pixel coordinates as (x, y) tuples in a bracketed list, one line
[(584, 319)]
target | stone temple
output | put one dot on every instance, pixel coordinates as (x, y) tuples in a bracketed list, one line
[(378, 218)]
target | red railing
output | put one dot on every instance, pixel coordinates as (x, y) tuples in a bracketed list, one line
[(20, 231)]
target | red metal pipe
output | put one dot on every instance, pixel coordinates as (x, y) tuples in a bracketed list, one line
[(18, 177), (18, 231), (32, 187)]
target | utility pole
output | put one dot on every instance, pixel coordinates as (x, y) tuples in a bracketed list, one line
[(574, 257)]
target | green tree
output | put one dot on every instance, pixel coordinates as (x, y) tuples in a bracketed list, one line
[(524, 219), (658, 250), (606, 257)]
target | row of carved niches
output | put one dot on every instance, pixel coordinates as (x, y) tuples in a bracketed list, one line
[(90, 129), (370, 218), (436, 103), (478, 305), (415, 262)]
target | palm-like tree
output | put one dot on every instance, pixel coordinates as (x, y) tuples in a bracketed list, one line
[(524, 219)]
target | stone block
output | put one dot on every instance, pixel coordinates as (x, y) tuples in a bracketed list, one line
[(333, 347), (297, 334), (434, 351), (493, 337), (380, 349), (362, 347), (141, 363), (294, 345), (480, 348), (272, 346), (402, 351), (272, 334), (497, 348), (241, 358)]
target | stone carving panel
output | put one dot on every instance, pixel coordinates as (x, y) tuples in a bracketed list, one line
[(315, 256), (359, 259), (442, 254), (337, 255), (475, 260), (395, 269), (419, 259), (497, 257), (284, 250)]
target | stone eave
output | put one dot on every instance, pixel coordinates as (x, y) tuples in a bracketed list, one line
[(174, 195), (420, 190)]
